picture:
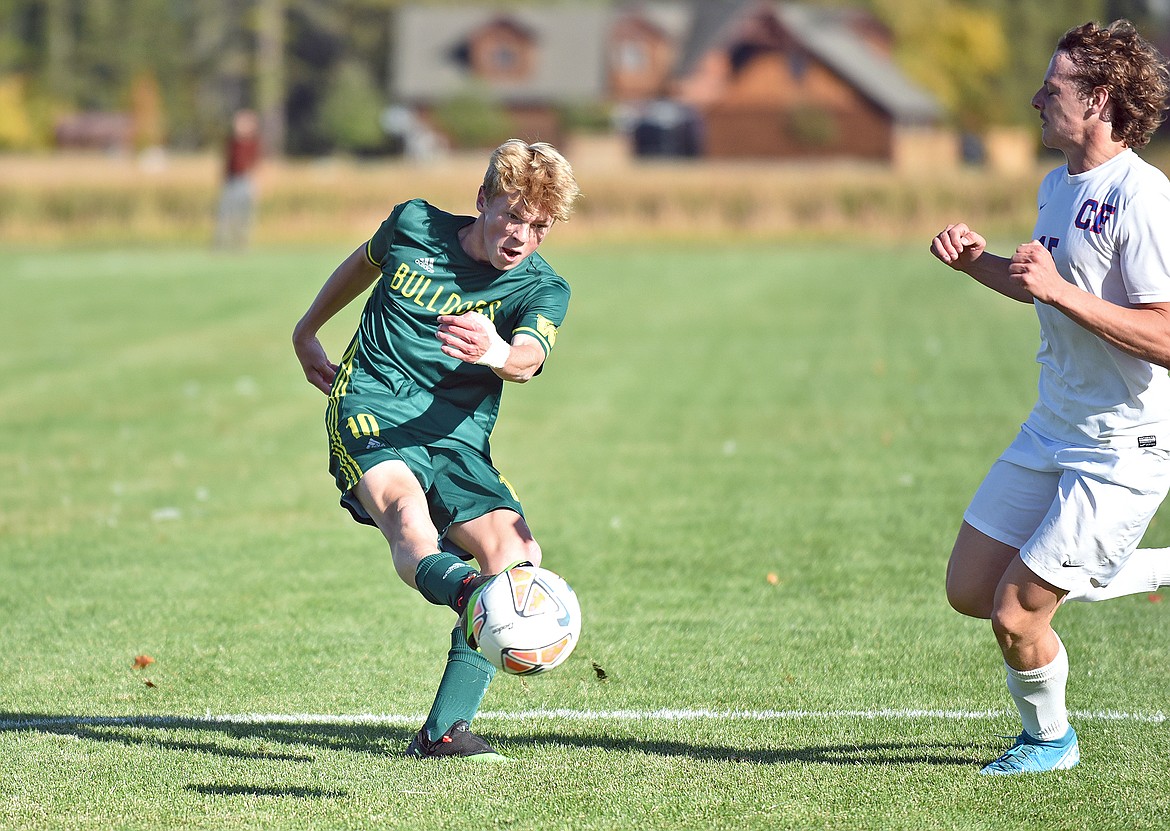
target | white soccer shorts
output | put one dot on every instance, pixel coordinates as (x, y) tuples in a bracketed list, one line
[(1075, 513)]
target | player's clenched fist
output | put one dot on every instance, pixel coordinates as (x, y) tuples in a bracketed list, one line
[(957, 245), (1033, 269), (472, 337)]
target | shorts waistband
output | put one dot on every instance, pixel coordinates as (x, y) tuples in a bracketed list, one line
[(1152, 439), (1144, 441)]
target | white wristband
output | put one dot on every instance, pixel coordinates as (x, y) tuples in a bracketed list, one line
[(496, 355)]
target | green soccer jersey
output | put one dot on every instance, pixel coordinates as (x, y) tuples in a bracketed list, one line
[(439, 399)]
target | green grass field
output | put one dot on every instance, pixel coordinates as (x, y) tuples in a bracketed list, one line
[(749, 461)]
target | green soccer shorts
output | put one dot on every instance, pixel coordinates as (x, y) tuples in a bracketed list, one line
[(459, 481)]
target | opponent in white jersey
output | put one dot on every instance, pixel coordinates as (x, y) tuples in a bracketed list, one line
[(1061, 512), (1106, 229)]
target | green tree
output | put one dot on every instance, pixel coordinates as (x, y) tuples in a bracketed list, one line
[(984, 59), (473, 119), (1034, 29), (350, 111)]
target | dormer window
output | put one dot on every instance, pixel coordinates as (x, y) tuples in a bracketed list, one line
[(632, 56), (501, 51), (503, 58)]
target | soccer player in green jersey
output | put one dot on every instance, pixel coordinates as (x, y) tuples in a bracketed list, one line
[(460, 305)]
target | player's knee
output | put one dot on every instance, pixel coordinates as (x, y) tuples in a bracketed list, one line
[(498, 558), (965, 606), (1011, 625), (521, 551), (967, 602), (532, 552)]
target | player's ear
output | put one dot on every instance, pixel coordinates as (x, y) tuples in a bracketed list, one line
[(1099, 102), (480, 200)]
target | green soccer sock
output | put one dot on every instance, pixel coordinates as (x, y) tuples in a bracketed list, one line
[(465, 680), (440, 577)]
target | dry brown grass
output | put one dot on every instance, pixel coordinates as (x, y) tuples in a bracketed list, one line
[(98, 199)]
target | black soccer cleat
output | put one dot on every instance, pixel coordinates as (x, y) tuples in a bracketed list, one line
[(458, 742), (467, 593), (472, 586), (466, 603)]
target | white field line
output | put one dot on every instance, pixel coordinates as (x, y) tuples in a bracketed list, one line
[(32, 723)]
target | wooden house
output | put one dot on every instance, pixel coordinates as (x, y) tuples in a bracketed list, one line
[(738, 78), (782, 80)]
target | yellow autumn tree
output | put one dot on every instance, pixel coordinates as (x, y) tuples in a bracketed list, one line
[(958, 52), (16, 128), (146, 111)]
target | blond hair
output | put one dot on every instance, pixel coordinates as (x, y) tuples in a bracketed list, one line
[(534, 175)]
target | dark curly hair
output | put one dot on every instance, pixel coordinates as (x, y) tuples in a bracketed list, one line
[(1129, 68)]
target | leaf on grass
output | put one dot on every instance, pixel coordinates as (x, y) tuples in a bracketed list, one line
[(142, 661), (601, 673), (773, 578), (1155, 598), (150, 683)]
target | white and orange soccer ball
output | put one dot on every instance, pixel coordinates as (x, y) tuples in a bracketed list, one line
[(526, 620)]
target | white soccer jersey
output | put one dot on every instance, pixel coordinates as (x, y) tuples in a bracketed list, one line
[(1109, 232)]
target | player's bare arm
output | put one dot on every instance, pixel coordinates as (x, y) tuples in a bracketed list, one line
[(964, 250), (355, 274), (473, 338), (1142, 331)]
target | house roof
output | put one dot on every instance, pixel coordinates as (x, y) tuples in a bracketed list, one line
[(671, 17), (711, 26), (570, 49), (570, 65), (824, 33)]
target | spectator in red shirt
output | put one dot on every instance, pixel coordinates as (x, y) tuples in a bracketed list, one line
[(237, 200)]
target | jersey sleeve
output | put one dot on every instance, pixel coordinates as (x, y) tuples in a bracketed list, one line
[(379, 244), (544, 313), (1145, 246)]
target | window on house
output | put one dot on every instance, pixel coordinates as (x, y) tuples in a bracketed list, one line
[(632, 56), (797, 64), (503, 58)]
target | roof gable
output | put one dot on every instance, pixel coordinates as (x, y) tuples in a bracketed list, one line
[(827, 34), (431, 52), (499, 51), (567, 48)]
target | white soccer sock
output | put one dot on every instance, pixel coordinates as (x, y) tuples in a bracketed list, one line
[(1039, 696), (1146, 570)]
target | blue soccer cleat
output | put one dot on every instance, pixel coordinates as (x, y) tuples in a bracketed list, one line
[(1029, 755)]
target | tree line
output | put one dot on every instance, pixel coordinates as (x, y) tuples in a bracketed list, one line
[(179, 69), (317, 71)]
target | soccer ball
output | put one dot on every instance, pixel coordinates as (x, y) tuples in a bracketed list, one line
[(526, 620)]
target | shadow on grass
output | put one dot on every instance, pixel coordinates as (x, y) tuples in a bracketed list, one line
[(236, 740), (870, 754), (247, 790), (286, 741)]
